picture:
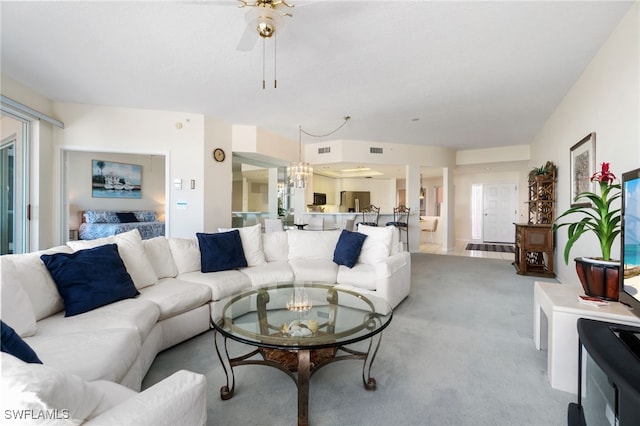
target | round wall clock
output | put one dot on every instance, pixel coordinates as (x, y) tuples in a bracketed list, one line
[(218, 154)]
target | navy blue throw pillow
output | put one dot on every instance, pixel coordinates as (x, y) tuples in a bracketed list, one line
[(348, 248), (127, 217), (88, 279), (221, 251), (13, 344)]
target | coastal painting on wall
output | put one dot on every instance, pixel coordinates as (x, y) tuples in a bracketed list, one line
[(583, 165), (115, 180)]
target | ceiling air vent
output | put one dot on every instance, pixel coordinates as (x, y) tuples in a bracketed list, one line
[(325, 150), (373, 150)]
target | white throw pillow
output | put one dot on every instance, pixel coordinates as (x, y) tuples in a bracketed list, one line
[(16, 307), (275, 246), (132, 253), (37, 281), (186, 254), (312, 244), (377, 245), (251, 243), (159, 254), (44, 389)]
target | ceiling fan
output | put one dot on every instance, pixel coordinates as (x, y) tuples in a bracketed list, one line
[(264, 19)]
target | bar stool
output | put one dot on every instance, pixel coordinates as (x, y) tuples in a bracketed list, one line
[(370, 216), (401, 221)]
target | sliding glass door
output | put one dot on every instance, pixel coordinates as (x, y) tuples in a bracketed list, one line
[(13, 185)]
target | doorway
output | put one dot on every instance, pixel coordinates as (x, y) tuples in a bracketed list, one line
[(499, 212)]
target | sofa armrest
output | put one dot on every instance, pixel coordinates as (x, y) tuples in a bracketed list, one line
[(178, 399), (392, 264), (393, 278)]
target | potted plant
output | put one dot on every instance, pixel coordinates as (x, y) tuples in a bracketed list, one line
[(598, 275)]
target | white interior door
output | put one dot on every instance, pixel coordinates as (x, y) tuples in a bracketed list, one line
[(499, 206)]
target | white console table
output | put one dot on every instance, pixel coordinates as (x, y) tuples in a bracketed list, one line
[(556, 310)]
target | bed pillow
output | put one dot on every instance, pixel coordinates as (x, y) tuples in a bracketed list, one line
[(221, 251), (132, 252), (88, 279), (251, 243), (126, 217), (13, 344), (348, 248)]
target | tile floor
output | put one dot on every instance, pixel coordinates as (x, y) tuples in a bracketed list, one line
[(460, 251)]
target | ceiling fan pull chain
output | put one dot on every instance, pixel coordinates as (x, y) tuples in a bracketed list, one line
[(263, 81), (275, 60)]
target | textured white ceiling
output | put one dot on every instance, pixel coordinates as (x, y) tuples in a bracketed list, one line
[(459, 74)]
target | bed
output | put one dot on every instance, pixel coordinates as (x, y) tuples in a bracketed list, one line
[(103, 223)]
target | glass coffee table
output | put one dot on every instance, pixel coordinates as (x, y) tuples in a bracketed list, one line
[(300, 329)]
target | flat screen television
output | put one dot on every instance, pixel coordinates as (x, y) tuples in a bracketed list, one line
[(630, 240)]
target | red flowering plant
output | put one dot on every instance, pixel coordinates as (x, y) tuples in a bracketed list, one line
[(600, 216)]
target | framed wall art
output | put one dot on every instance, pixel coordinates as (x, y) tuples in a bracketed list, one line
[(115, 180), (583, 165)]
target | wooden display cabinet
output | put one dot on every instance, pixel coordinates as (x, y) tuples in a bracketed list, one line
[(535, 239), (534, 250)]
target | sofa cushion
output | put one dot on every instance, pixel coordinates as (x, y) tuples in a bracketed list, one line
[(314, 270), (377, 246), (15, 305), (251, 243), (159, 254), (40, 387), (312, 244), (131, 251), (29, 270), (270, 273), (88, 279), (221, 251), (186, 254), (11, 343), (222, 284), (174, 296), (102, 354), (135, 314), (348, 248), (275, 246)]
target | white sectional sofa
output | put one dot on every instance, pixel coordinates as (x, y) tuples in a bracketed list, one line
[(118, 342)]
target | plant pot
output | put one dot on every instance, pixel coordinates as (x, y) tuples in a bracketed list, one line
[(599, 278)]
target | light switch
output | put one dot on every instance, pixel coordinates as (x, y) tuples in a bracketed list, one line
[(177, 184)]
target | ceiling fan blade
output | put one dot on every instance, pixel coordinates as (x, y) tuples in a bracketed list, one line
[(248, 39)]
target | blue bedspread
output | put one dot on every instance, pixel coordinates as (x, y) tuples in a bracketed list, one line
[(91, 231), (103, 223)]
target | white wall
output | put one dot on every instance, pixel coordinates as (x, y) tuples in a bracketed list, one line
[(179, 136), (604, 100), (214, 187), (78, 178), (464, 183)]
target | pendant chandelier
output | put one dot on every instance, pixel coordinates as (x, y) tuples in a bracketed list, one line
[(300, 172)]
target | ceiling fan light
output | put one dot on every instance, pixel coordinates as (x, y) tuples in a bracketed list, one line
[(265, 20)]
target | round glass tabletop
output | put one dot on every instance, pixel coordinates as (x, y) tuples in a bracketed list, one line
[(302, 316)]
